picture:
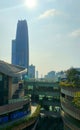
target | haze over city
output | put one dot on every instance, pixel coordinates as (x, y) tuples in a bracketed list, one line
[(54, 32)]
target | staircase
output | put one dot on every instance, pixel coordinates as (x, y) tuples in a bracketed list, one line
[(19, 92)]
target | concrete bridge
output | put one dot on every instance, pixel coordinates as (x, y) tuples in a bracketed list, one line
[(46, 93)]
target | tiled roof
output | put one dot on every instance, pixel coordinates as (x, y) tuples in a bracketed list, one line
[(11, 70)]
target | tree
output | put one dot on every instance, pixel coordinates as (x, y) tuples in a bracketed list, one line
[(73, 76)]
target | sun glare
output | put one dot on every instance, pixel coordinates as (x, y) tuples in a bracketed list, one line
[(31, 3)]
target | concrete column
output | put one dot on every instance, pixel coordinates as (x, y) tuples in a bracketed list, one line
[(10, 88)]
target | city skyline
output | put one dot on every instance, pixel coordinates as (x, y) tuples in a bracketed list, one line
[(54, 32)]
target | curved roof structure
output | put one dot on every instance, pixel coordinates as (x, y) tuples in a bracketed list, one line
[(11, 70)]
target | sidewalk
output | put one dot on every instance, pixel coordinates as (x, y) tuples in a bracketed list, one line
[(33, 108)]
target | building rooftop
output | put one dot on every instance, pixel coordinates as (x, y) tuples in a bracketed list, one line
[(11, 70)]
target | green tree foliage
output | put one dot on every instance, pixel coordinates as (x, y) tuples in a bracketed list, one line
[(76, 102), (73, 76)]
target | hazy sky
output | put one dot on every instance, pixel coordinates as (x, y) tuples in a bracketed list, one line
[(54, 32)]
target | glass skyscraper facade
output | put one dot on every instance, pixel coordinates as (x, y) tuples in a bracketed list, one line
[(20, 46)]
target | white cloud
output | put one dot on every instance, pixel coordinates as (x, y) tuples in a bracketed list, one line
[(75, 33), (48, 13)]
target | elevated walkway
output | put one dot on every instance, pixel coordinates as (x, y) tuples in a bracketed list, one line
[(23, 125)]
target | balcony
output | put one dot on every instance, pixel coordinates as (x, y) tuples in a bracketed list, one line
[(69, 108), (24, 122), (71, 91), (70, 122), (13, 105), (11, 101)]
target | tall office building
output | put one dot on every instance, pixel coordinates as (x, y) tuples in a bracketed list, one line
[(37, 74), (13, 52), (50, 75), (20, 46), (31, 71)]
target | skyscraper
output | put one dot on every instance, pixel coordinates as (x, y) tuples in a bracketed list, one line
[(13, 51), (31, 71), (20, 46)]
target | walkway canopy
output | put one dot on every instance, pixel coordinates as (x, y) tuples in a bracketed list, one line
[(11, 70)]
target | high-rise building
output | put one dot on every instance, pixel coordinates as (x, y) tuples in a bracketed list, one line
[(13, 52), (50, 75), (20, 46), (37, 74), (31, 71)]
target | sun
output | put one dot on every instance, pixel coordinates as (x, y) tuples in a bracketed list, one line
[(31, 3)]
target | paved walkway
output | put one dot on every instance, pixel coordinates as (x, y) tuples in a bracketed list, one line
[(33, 108)]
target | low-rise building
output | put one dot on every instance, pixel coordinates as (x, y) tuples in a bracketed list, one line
[(13, 105)]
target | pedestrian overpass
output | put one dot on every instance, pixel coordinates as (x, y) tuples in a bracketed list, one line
[(46, 93)]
